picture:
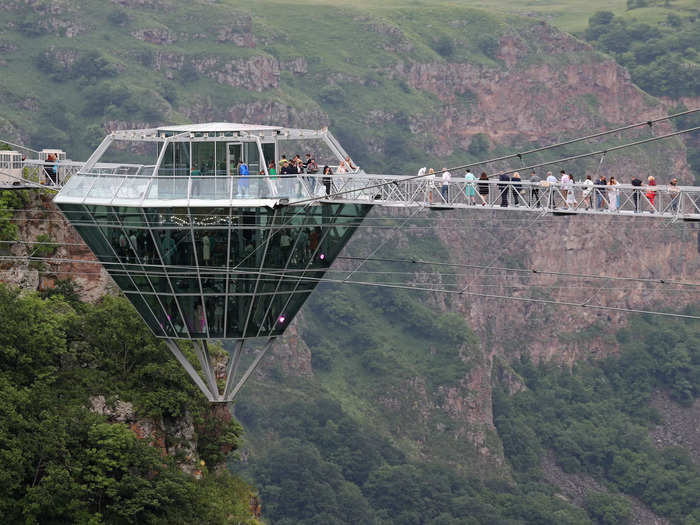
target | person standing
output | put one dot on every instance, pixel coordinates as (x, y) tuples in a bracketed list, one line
[(327, 179), (483, 188), (636, 191), (445, 187), (551, 186), (503, 188), (430, 184), (675, 194), (565, 181), (612, 194), (588, 188), (599, 191), (534, 189), (651, 191), (516, 188), (469, 190)]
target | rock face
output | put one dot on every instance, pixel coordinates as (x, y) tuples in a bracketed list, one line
[(575, 488), (680, 426), (39, 218)]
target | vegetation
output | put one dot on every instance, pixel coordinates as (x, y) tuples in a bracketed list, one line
[(62, 463), (662, 57), (329, 469), (596, 418)]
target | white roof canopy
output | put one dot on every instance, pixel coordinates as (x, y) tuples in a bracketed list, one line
[(219, 126)]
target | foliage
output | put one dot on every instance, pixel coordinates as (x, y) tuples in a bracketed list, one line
[(62, 463), (44, 246), (479, 144), (328, 469), (608, 509), (595, 418), (662, 58), (444, 46), (9, 201)]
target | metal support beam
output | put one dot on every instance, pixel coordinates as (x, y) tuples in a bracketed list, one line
[(234, 359), (205, 362), (250, 370), (172, 345)]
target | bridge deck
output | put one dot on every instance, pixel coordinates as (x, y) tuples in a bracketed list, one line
[(135, 185)]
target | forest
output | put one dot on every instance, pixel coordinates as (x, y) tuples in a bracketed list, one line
[(61, 462)]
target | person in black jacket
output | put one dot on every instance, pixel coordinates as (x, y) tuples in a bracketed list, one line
[(483, 188), (636, 182), (516, 188), (503, 189)]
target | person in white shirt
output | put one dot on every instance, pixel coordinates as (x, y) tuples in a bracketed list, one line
[(445, 188), (613, 193), (570, 193), (430, 184), (551, 181), (588, 183)]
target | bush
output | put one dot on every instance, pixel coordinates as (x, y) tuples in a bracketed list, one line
[(608, 509), (333, 95), (479, 144), (444, 46)]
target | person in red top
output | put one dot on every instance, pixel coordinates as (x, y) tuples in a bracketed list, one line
[(651, 194)]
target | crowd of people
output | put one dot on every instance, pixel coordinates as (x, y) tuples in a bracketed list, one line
[(603, 193), (295, 166)]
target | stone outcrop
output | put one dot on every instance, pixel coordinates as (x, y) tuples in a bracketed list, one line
[(157, 36)]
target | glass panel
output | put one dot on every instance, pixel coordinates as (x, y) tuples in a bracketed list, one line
[(236, 315), (75, 213), (105, 187), (184, 282), (145, 313), (211, 247), (194, 314), (221, 169), (175, 247), (203, 160), (269, 154), (162, 318), (252, 157), (77, 186), (133, 188), (182, 159), (215, 315), (167, 164)]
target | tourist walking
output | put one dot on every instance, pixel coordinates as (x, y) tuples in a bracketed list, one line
[(469, 190)]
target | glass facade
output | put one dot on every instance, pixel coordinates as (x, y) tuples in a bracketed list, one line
[(221, 272)]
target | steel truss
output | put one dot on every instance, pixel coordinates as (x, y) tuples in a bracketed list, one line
[(206, 376)]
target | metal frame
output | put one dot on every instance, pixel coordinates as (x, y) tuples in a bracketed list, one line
[(205, 378)]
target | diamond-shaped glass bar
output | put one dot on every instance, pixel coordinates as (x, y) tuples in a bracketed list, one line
[(216, 273), (203, 248)]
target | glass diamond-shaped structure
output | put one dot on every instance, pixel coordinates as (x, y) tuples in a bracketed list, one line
[(204, 248)]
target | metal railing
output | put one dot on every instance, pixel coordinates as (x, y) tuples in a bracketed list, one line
[(133, 185)]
